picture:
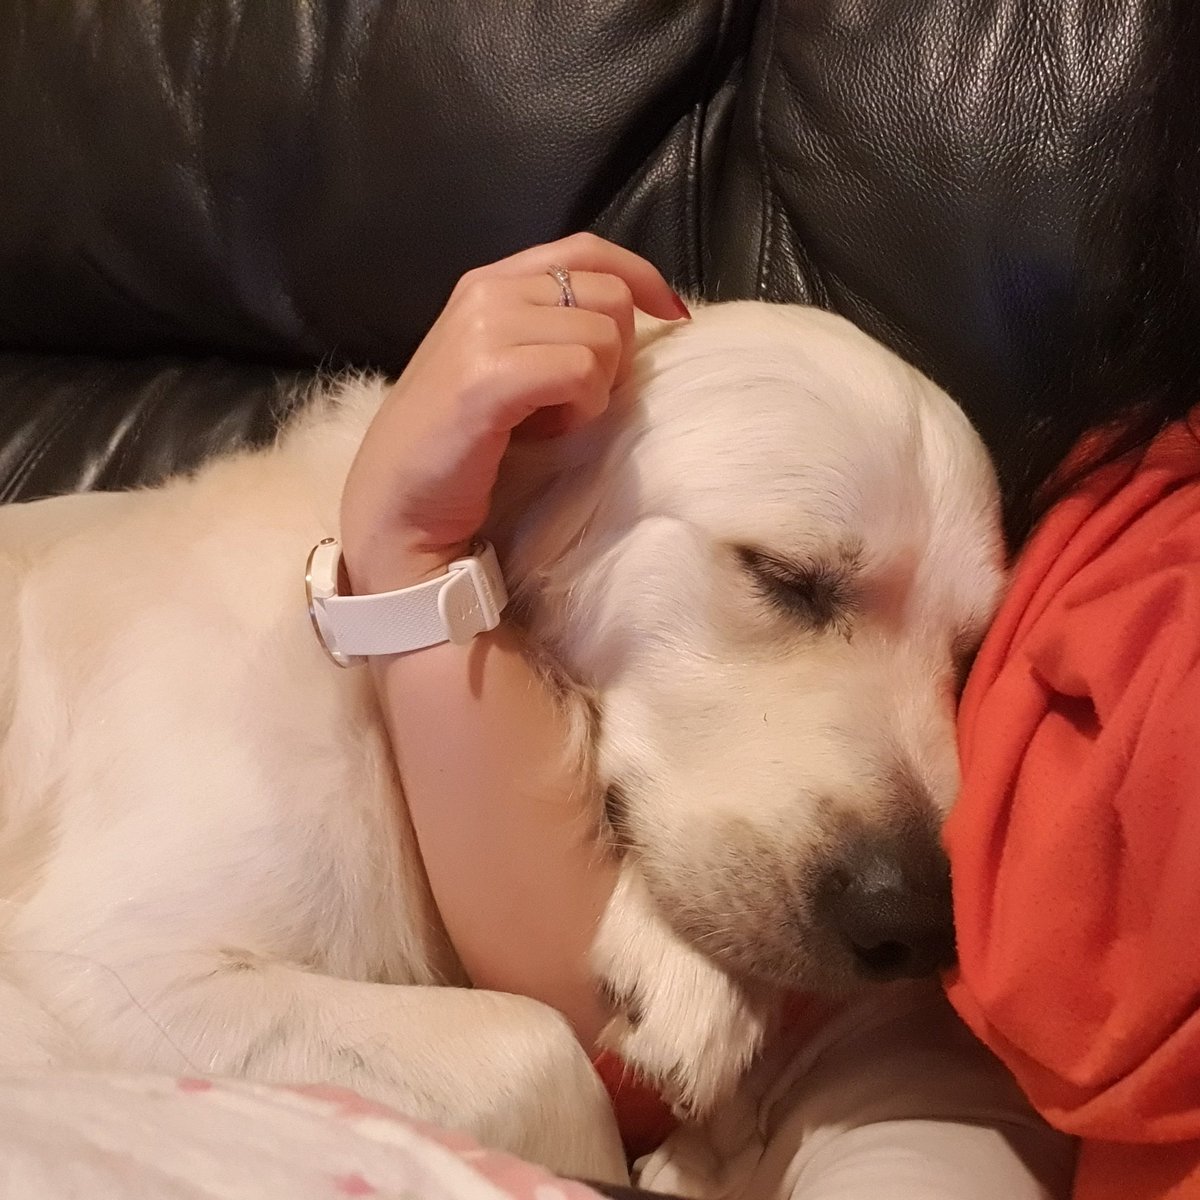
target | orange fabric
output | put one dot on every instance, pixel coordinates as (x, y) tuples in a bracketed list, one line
[(1075, 844)]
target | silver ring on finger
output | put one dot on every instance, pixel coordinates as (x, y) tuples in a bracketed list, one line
[(566, 294)]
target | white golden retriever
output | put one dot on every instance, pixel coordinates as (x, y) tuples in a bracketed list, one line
[(759, 580)]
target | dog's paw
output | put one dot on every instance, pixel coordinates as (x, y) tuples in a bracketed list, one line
[(680, 1021)]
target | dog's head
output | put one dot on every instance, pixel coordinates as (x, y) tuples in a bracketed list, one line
[(771, 565)]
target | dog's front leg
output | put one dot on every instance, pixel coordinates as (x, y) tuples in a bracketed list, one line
[(681, 1021), (504, 1069)]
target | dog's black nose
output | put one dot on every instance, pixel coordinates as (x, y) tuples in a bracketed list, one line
[(897, 922)]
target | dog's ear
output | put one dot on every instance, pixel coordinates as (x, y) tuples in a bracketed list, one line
[(545, 502), (549, 493), (573, 493)]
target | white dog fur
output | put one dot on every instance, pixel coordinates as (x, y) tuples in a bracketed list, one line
[(205, 861)]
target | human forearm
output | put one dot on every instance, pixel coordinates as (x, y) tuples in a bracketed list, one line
[(491, 764), (492, 777)]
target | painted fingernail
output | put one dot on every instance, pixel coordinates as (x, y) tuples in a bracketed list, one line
[(679, 304)]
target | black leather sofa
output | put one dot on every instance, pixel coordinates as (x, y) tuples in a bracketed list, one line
[(202, 200)]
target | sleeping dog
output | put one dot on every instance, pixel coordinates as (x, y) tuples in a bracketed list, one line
[(757, 582)]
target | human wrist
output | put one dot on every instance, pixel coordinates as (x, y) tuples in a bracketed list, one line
[(388, 563)]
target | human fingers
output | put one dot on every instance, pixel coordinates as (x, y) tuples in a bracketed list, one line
[(495, 311), (596, 292), (585, 252), (549, 389), (604, 335)]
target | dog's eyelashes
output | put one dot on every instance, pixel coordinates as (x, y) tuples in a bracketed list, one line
[(820, 595)]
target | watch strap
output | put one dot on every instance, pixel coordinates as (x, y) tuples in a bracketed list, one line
[(389, 622), (456, 606)]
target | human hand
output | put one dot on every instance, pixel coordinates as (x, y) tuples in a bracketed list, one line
[(503, 356)]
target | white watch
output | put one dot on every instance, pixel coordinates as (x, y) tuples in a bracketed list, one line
[(454, 607)]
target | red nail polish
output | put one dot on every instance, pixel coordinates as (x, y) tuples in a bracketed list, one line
[(683, 308)]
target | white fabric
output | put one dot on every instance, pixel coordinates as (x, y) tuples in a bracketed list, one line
[(889, 1101)]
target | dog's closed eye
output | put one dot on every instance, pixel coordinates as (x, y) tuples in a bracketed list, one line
[(820, 595)]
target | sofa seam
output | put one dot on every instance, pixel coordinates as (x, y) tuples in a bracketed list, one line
[(766, 211), (693, 200)]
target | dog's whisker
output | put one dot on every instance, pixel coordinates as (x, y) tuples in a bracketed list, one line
[(120, 982)]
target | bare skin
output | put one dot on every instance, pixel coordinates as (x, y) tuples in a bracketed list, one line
[(519, 879)]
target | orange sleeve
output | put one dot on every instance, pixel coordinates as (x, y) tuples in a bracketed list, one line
[(1075, 845)]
